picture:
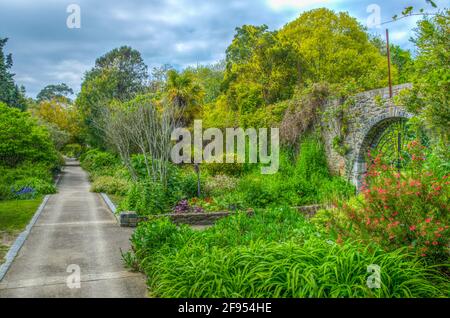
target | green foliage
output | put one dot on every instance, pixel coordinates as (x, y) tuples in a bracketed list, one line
[(39, 187), (230, 169), (35, 175), (22, 139), (147, 197), (210, 78), (276, 253), (118, 75), (260, 69), (264, 67), (301, 180), (312, 163), (59, 91), (97, 160), (219, 184), (429, 97), (335, 48), (410, 208), (73, 150), (10, 93), (58, 136), (110, 185), (184, 93)]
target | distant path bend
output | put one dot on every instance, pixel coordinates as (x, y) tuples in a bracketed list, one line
[(77, 228)]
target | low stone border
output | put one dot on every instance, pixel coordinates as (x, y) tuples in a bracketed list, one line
[(20, 240), (131, 219), (111, 206)]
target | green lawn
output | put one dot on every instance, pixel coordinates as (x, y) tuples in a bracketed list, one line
[(14, 217)]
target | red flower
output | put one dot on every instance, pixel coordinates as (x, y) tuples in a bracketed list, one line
[(412, 227), (428, 220), (435, 243)]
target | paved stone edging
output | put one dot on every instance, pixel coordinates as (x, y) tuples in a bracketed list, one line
[(111, 206), (20, 240)]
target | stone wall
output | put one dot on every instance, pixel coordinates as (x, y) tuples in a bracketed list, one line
[(131, 219), (368, 117)]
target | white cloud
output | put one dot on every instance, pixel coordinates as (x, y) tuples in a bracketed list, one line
[(68, 71), (25, 79), (189, 46), (294, 4), (399, 36)]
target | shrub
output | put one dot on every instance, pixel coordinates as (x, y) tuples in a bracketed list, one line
[(22, 139), (110, 185), (73, 150), (38, 185), (404, 209), (25, 181), (182, 183), (219, 184), (146, 198), (230, 169), (95, 159)]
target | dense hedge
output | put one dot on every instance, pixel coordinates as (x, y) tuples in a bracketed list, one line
[(28, 158), (22, 139)]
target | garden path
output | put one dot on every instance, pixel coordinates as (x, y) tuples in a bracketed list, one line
[(75, 228)]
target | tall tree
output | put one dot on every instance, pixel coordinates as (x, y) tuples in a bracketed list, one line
[(10, 93), (335, 48), (430, 96), (59, 91), (120, 75)]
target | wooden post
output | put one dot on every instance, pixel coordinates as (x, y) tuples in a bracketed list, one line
[(197, 171), (389, 62)]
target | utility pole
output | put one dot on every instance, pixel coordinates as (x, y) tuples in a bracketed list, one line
[(389, 62)]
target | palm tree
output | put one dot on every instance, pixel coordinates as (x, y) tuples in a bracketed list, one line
[(185, 94)]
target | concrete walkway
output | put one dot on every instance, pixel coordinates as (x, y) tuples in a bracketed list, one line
[(75, 227)]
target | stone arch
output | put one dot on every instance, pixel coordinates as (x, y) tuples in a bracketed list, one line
[(371, 137)]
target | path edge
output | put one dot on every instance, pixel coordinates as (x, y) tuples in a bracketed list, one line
[(111, 206), (20, 240)]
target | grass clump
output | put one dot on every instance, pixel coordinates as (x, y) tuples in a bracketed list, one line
[(276, 253)]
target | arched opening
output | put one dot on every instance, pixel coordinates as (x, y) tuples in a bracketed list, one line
[(388, 136)]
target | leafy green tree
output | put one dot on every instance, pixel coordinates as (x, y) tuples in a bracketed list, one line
[(430, 96), (60, 117), (10, 93), (400, 58), (22, 139), (119, 75), (335, 48), (266, 67), (260, 69), (210, 78), (184, 93), (50, 92)]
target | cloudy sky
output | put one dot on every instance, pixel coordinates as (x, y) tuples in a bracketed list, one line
[(179, 32)]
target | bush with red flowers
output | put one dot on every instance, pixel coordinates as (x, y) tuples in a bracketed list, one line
[(407, 207)]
